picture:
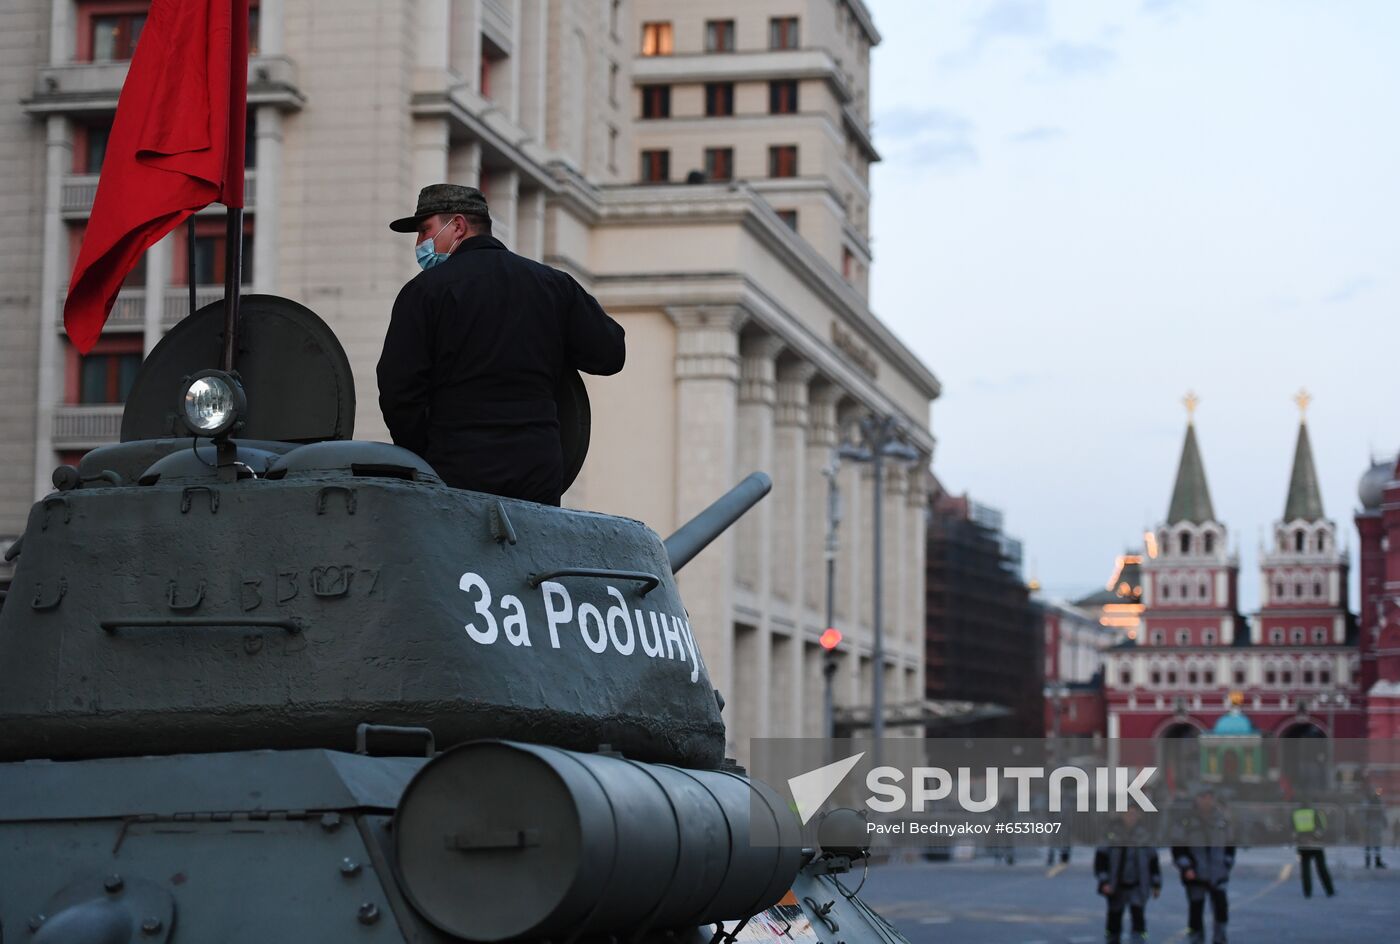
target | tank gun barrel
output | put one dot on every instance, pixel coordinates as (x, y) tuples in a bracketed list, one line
[(693, 536)]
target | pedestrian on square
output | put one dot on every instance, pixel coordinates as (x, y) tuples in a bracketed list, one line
[(1127, 871), (1375, 827), (1309, 827), (1204, 861)]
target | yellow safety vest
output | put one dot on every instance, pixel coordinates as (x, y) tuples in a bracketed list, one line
[(1304, 820)]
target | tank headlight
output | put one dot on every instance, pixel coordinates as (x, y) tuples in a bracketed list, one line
[(212, 403)]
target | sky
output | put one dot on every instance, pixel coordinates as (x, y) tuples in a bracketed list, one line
[(1087, 208)]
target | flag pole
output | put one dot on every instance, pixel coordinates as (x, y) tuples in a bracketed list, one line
[(189, 262), (233, 233)]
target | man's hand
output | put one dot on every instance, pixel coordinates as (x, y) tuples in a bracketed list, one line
[(1157, 892), (1105, 889), (1189, 875)]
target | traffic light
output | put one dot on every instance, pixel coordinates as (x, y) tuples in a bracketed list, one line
[(829, 640)]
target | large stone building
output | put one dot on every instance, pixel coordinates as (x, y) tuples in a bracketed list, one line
[(742, 286)]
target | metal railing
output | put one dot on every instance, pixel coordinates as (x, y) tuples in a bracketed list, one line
[(86, 425), (177, 301), (79, 190), (128, 312)]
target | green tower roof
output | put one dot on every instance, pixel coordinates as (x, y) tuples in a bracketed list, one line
[(1191, 496), (1304, 497)]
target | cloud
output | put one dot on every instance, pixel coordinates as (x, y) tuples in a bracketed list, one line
[(1073, 59), (929, 137), (1004, 19), (1167, 9), (1037, 135), (1350, 289)]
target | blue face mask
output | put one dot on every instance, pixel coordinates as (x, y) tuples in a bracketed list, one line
[(427, 253)]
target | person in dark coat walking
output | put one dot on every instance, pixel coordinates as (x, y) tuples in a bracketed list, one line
[(1127, 871), (1375, 827), (476, 347), (1204, 862)]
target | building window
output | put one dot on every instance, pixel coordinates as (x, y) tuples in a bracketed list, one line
[(1209, 676), (1278, 590), (1298, 540), (1317, 590), (1171, 677), (848, 264), (719, 99), (656, 101), (1297, 636), (719, 163), (657, 39), (656, 167), (1209, 542), (1208, 637), (782, 97), (209, 255), (1125, 678), (1286, 676), (782, 32), (90, 147), (1156, 677), (1166, 591), (1324, 676), (1183, 637), (719, 36), (1239, 676), (1307, 676), (1276, 636), (1192, 678), (1203, 591), (108, 373), (782, 160), (1185, 543), (613, 72), (114, 36), (1157, 637), (789, 217)]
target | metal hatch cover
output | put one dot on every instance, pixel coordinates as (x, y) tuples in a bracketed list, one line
[(298, 379)]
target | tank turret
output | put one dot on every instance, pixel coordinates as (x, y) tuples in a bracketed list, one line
[(245, 653)]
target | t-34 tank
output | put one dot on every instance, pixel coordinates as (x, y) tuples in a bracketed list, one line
[(230, 662)]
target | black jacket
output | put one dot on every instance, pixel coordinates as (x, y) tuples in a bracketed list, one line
[(475, 350)]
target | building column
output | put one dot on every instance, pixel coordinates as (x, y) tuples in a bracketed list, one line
[(916, 503), (464, 165), (707, 388), (58, 161), (158, 262), (503, 195), (896, 620), (267, 231), (62, 32), (530, 216), (430, 152), (790, 541), (755, 682)]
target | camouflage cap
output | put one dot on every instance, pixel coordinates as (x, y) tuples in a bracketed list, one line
[(443, 198)]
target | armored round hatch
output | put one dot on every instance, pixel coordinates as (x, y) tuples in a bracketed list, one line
[(354, 457), (295, 373)]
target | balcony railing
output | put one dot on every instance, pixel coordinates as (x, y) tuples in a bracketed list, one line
[(80, 189), (177, 301), (86, 426), (84, 88), (129, 312)]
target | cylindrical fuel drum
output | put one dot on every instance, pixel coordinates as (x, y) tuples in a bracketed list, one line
[(498, 840)]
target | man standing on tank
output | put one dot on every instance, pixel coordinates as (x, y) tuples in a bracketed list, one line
[(477, 345)]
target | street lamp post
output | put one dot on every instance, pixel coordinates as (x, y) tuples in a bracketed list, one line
[(831, 637), (881, 437)]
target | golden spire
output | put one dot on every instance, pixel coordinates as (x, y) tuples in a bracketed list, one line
[(1302, 398), (1191, 401)]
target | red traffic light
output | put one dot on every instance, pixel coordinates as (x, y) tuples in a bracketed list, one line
[(830, 639)]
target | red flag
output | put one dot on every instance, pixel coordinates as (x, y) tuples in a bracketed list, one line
[(176, 146)]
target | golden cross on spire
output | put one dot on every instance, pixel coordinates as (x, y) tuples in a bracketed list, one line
[(1191, 401), (1302, 398)]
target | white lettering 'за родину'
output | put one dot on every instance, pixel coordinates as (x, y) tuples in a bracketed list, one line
[(619, 629)]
